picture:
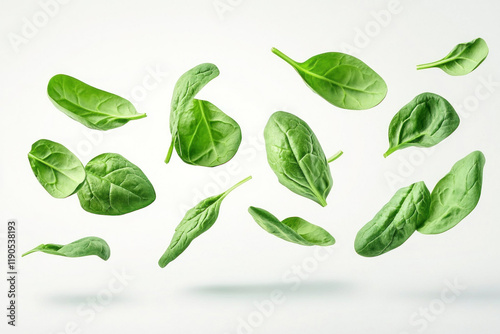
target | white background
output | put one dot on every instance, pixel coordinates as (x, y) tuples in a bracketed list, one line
[(214, 286)]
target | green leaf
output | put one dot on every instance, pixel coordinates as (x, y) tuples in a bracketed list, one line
[(455, 195), (395, 223), (196, 221), (114, 186), (426, 121), (186, 88), (296, 157), (83, 247), (57, 169), (90, 106), (206, 136), (463, 59), (201, 133), (293, 229), (341, 79)]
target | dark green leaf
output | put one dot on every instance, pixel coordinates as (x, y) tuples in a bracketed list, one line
[(196, 221), (114, 186), (293, 229), (463, 59), (425, 121), (395, 223), (201, 133), (83, 247), (296, 157), (59, 171), (90, 106), (455, 195), (341, 79), (206, 136)]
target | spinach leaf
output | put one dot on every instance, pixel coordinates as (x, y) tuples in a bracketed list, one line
[(425, 121), (463, 59), (57, 169), (196, 221), (341, 79), (83, 247), (293, 229), (90, 106), (455, 195), (201, 133), (114, 186), (296, 157), (206, 136), (395, 223)]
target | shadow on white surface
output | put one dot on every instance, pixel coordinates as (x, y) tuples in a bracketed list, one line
[(77, 299), (317, 288)]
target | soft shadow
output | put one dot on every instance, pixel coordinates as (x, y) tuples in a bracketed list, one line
[(77, 299), (314, 288)]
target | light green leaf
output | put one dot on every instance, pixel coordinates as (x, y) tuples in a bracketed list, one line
[(463, 59), (57, 169), (83, 247), (341, 79), (90, 106), (293, 229), (455, 195)]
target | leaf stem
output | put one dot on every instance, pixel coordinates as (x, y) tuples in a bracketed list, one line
[(138, 116), (237, 185), (433, 64), (335, 156), (170, 150), (284, 57), (390, 151)]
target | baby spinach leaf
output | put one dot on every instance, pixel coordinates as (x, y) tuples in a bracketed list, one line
[(395, 223), (90, 106), (186, 88), (201, 133), (425, 121), (57, 169), (463, 59), (206, 136), (196, 221), (296, 157), (114, 186), (83, 247), (455, 195), (293, 229), (341, 79)]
